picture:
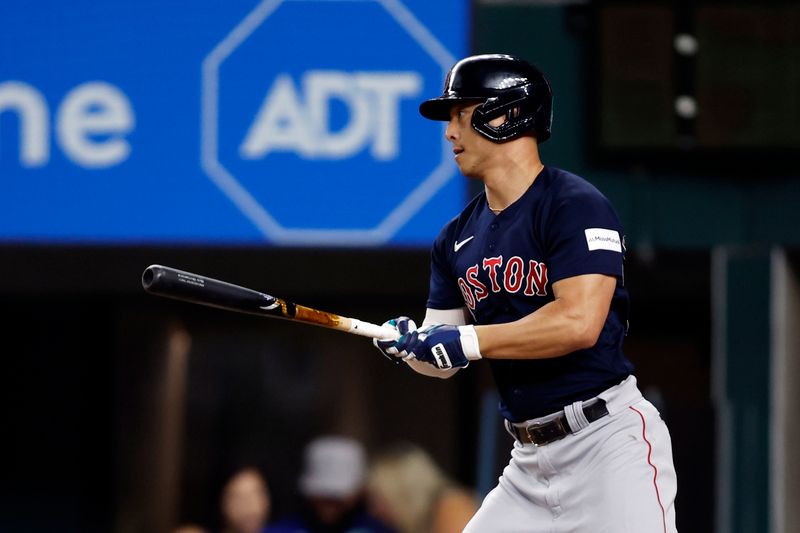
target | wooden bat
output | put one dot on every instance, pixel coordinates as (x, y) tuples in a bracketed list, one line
[(172, 283)]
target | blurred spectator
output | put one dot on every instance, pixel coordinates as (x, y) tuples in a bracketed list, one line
[(189, 528), (411, 493), (245, 502), (332, 487)]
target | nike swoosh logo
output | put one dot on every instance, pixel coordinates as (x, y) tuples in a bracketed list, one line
[(457, 246)]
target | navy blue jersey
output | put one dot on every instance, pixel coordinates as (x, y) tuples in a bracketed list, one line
[(502, 268)]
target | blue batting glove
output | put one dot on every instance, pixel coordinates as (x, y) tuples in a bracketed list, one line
[(395, 350), (444, 346)]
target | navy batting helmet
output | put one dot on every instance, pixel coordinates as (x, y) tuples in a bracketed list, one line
[(506, 85)]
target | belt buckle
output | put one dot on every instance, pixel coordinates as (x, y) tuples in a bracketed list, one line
[(547, 432)]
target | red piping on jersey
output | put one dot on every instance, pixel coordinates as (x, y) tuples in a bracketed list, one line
[(655, 470)]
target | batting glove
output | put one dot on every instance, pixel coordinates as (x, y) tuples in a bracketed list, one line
[(395, 350), (444, 346)]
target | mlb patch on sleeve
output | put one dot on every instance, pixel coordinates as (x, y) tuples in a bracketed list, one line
[(603, 239)]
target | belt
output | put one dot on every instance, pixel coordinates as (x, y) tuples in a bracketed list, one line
[(557, 428)]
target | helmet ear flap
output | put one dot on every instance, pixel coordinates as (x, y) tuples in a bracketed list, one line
[(515, 106)]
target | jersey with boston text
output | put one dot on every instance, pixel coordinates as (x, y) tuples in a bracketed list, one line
[(502, 268)]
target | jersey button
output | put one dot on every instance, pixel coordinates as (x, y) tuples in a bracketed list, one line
[(491, 246), (493, 225)]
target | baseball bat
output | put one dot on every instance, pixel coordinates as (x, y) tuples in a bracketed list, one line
[(188, 287)]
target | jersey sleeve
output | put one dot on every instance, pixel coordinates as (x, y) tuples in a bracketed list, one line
[(584, 236), (443, 292)]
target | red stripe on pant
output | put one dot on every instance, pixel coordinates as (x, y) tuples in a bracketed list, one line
[(655, 469)]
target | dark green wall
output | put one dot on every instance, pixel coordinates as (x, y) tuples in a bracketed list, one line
[(660, 209), (743, 385)]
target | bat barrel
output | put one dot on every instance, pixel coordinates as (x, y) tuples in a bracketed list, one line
[(189, 287), (180, 285)]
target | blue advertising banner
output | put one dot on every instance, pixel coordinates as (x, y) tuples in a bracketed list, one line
[(285, 122)]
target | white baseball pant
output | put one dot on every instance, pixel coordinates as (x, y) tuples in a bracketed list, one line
[(613, 476)]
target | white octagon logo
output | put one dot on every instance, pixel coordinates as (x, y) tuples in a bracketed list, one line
[(260, 138)]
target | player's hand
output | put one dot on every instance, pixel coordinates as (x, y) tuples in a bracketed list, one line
[(394, 350), (443, 346)]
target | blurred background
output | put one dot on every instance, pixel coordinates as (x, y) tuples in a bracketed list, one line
[(277, 145)]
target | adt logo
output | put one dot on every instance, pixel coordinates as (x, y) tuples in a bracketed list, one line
[(310, 122), (299, 119)]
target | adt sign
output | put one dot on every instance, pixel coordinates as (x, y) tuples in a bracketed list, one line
[(306, 112), (310, 123)]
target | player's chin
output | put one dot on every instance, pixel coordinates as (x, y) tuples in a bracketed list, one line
[(468, 171), (463, 164)]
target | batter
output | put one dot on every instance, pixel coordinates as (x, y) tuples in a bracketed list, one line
[(530, 277)]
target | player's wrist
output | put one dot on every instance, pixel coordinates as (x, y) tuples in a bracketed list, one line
[(469, 342)]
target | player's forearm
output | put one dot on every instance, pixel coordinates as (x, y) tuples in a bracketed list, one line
[(554, 330)]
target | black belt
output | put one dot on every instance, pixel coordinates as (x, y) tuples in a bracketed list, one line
[(558, 428)]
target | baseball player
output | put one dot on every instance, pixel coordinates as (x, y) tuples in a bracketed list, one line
[(529, 276)]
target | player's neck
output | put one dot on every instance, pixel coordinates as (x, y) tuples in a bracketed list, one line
[(505, 184)]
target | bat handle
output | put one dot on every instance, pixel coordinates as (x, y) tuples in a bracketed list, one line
[(367, 329)]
